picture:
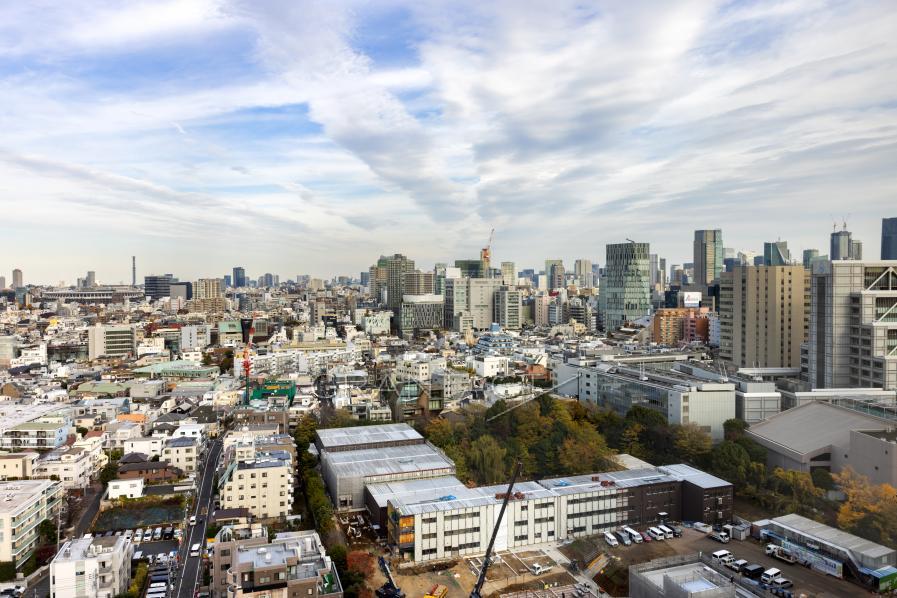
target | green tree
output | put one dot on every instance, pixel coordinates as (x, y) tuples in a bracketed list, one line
[(47, 531), (109, 473), (734, 428), (730, 461), (822, 479), (692, 443), (645, 416), (756, 451), (486, 460)]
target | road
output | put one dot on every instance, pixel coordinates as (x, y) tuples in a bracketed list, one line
[(89, 513), (190, 568)]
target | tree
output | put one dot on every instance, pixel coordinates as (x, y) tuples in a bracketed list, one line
[(486, 460), (646, 417), (870, 509), (360, 562), (822, 479), (730, 461), (756, 451), (47, 531), (630, 441), (81, 430), (109, 473), (734, 428), (692, 443)]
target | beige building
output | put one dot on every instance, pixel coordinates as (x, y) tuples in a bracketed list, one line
[(111, 341), (263, 486), (92, 568), (73, 466), (24, 505), (764, 315), (183, 453), (17, 465)]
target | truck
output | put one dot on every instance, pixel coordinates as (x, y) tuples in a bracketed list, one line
[(719, 536), (437, 591), (781, 553)]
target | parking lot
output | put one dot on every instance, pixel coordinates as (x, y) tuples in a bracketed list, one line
[(806, 581)]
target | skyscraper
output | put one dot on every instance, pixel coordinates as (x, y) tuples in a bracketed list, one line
[(889, 238), (853, 331), (809, 256), (708, 253), (208, 288), (625, 286), (582, 270), (844, 246), (157, 287), (17, 281), (557, 276), (775, 253), (239, 277), (508, 274), (2, 282), (763, 315), (419, 283), (397, 266)]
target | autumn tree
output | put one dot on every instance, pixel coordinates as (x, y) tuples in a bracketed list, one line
[(486, 460), (730, 461), (360, 562), (692, 443), (870, 510)]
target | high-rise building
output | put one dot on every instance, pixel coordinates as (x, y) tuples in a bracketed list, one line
[(419, 283), (775, 253), (708, 253), (157, 287), (764, 315), (2, 282), (17, 280), (853, 325), (421, 312), (888, 239), (239, 277), (810, 255), (471, 268), (133, 270), (844, 246), (228, 281), (208, 288), (397, 266), (507, 308), (470, 302), (364, 278), (92, 567), (557, 276), (582, 270), (509, 274), (91, 279), (626, 284)]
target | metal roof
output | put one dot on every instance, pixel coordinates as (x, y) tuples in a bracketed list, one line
[(465, 498), (384, 461), (825, 533), (689, 474), (361, 435)]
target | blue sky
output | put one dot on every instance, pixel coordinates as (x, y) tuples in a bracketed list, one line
[(310, 137)]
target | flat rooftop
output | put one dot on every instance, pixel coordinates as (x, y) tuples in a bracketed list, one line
[(366, 435), (692, 577), (385, 461), (22, 493), (449, 498)]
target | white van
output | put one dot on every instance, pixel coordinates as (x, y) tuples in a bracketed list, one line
[(719, 555), (159, 585), (769, 575), (610, 539), (194, 550), (636, 537), (666, 531), (656, 533)]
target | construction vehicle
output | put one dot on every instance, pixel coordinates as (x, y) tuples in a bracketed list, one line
[(437, 591), (487, 560), (781, 553), (389, 589)]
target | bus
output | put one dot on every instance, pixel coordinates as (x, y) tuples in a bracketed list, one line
[(636, 537)]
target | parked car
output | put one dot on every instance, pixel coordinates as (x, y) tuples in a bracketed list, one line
[(752, 571), (611, 539), (157, 534), (737, 565), (623, 537), (781, 583), (646, 536), (677, 531), (138, 535), (168, 534)]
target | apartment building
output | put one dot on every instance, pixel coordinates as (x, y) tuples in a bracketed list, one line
[(293, 564), (228, 539), (23, 505), (17, 465), (92, 568), (150, 446), (111, 341), (73, 466), (263, 486), (764, 315), (40, 433), (183, 453), (853, 325)]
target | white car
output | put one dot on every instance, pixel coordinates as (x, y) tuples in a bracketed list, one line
[(193, 520)]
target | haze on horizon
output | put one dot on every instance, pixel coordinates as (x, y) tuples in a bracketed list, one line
[(310, 137)]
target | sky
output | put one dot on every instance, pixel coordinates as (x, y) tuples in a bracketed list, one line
[(300, 137)]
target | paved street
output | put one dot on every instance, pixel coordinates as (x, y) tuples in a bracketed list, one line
[(92, 502), (186, 584)]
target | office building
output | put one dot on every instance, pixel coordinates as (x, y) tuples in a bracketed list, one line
[(582, 271), (470, 303), (775, 253), (708, 254), (17, 280), (239, 277), (157, 287), (809, 256), (888, 239), (293, 564), (853, 325), (764, 313), (2, 282), (557, 276), (508, 274), (626, 284), (92, 568), (507, 308), (111, 341), (471, 268), (579, 311), (844, 246), (26, 503), (228, 281), (421, 312), (441, 518), (681, 576), (419, 283), (180, 291), (197, 336)]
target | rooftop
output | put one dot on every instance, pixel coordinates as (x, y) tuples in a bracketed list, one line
[(834, 536), (388, 460), (361, 435), (22, 493)]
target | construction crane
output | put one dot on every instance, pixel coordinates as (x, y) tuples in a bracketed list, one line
[(389, 589), (533, 398), (487, 560)]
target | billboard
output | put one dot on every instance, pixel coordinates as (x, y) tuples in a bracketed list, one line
[(691, 299)]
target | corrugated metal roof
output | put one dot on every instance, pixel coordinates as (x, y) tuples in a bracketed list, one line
[(384, 461), (834, 536), (333, 437)]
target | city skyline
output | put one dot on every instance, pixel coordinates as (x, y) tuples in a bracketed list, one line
[(302, 136)]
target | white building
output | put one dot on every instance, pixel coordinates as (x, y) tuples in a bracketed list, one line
[(488, 366), (111, 341), (132, 488), (182, 453), (92, 568), (120, 431), (24, 504), (151, 446), (195, 337), (73, 466), (263, 486)]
